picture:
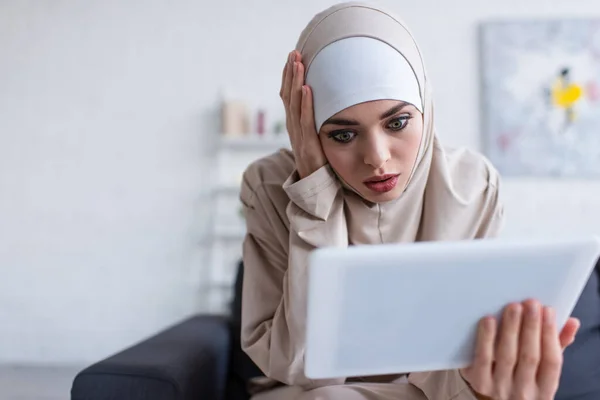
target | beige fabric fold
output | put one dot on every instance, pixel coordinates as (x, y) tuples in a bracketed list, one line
[(453, 194)]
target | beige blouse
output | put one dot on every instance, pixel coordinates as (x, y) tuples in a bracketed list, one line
[(288, 217)]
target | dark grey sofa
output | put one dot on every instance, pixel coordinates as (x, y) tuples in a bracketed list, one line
[(201, 359)]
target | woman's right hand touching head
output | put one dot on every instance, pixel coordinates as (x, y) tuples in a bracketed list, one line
[(300, 122), (522, 357)]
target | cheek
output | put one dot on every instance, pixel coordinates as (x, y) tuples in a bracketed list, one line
[(342, 159), (406, 148)]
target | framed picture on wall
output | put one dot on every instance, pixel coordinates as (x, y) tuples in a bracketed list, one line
[(541, 97)]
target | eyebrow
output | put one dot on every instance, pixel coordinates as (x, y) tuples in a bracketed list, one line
[(351, 122)]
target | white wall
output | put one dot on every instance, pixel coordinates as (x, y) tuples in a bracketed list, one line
[(105, 129)]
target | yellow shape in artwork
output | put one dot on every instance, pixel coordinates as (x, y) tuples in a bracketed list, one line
[(566, 96)]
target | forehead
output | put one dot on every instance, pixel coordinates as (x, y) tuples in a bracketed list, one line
[(374, 108)]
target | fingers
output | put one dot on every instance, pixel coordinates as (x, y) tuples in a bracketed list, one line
[(551, 358), (524, 358), (507, 349), (529, 350), (307, 117), (296, 56), (296, 92), (479, 374), (308, 153), (567, 335), (286, 81), (287, 76), (291, 90)]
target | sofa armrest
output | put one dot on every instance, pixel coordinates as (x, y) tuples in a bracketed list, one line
[(187, 361)]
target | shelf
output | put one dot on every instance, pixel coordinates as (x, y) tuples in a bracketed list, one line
[(256, 142), (227, 230)]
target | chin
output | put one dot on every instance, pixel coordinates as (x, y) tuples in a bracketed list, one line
[(382, 197)]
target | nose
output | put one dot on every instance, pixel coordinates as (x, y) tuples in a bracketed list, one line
[(376, 150)]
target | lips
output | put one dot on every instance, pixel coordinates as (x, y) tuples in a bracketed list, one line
[(382, 183), (380, 178)]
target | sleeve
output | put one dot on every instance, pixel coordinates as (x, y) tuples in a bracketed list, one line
[(274, 285)]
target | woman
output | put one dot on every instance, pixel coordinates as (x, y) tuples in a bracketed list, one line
[(367, 168)]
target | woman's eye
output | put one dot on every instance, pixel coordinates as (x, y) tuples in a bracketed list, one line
[(342, 137), (398, 123)]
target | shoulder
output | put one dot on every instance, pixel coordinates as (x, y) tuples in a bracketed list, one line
[(469, 186), (263, 179), (471, 173)]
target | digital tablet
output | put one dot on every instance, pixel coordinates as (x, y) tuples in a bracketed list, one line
[(395, 308)]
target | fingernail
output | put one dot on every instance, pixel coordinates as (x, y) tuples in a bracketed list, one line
[(303, 90), (532, 308), (295, 68), (488, 323), (548, 315), (291, 57), (515, 310)]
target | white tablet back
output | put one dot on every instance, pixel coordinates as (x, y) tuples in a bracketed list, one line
[(395, 308)]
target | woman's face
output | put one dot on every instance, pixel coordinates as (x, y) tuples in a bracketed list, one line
[(373, 146)]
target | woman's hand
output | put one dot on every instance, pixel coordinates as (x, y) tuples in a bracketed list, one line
[(300, 122), (522, 358)]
